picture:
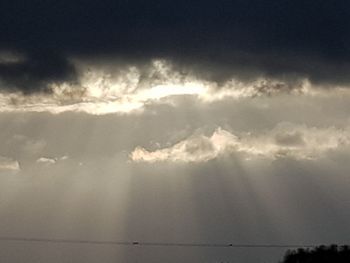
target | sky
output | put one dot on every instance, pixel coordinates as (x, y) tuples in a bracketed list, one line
[(215, 122)]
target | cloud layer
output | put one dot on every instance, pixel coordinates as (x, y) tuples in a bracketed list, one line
[(104, 90), (286, 140)]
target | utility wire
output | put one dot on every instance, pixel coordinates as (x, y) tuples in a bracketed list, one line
[(150, 244)]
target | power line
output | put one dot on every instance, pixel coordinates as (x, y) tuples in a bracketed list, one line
[(150, 244)]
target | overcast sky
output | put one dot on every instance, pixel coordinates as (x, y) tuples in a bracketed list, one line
[(173, 121)]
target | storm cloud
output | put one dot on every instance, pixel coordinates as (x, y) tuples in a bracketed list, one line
[(212, 39)]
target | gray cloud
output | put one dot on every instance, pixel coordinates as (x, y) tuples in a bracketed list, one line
[(36, 72), (294, 138)]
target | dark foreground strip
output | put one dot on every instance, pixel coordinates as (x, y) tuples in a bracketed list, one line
[(153, 244)]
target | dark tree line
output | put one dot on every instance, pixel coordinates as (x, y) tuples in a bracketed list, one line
[(320, 254)]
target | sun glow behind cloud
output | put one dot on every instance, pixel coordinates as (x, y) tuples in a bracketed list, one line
[(129, 90)]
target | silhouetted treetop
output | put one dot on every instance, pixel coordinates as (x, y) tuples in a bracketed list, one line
[(320, 254)]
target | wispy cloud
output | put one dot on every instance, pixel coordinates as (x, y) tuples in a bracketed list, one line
[(8, 164), (50, 160), (45, 160)]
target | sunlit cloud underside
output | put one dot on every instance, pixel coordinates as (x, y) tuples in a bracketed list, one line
[(286, 140), (130, 90)]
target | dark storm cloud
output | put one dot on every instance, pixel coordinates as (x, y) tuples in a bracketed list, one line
[(245, 38), (37, 71)]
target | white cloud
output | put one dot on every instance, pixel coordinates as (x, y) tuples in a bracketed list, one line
[(49, 160), (8, 164), (45, 160), (64, 157), (130, 89), (284, 141)]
